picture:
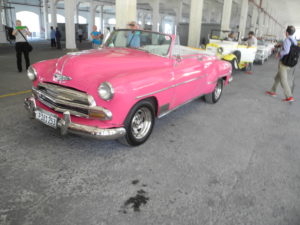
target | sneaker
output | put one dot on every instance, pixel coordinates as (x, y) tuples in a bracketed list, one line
[(290, 99), (249, 72), (273, 94)]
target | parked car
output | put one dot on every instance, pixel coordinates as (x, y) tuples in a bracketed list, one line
[(225, 44), (117, 92), (262, 53)]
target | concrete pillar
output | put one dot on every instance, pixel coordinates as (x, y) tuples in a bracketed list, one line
[(179, 12), (2, 29), (155, 15), (70, 25), (53, 13), (91, 19), (254, 19), (261, 23), (243, 18), (195, 23), (162, 23), (125, 12), (45, 15), (77, 13), (226, 15), (102, 19)]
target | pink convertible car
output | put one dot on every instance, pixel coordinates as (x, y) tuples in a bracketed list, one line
[(116, 92)]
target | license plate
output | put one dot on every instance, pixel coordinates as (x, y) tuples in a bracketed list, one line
[(46, 118)]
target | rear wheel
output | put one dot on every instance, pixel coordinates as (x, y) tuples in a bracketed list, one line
[(139, 123), (214, 97)]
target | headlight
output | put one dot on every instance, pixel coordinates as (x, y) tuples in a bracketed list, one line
[(106, 91), (31, 73)]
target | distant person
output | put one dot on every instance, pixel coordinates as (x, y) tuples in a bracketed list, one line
[(231, 37), (58, 37), (20, 32), (133, 39), (251, 42), (80, 34), (96, 42), (52, 36), (282, 74)]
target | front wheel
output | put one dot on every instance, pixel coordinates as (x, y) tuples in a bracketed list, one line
[(214, 97), (139, 123)]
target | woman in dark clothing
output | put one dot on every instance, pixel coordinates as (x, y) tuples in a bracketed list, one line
[(21, 44), (58, 36)]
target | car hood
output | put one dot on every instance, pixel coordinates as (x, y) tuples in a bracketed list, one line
[(80, 69)]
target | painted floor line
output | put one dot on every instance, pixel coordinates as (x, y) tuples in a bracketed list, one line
[(14, 94)]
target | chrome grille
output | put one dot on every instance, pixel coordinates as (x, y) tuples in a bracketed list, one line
[(61, 99)]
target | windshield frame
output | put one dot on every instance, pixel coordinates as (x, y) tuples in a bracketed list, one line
[(105, 44)]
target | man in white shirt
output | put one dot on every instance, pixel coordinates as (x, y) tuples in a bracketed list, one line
[(251, 42)]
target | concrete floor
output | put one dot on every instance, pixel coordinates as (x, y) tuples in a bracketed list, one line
[(236, 162)]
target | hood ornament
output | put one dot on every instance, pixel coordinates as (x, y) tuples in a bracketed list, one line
[(60, 77)]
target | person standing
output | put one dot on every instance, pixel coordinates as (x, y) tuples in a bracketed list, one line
[(20, 32), (282, 74), (58, 37), (251, 42), (133, 38), (96, 42), (52, 36), (80, 34)]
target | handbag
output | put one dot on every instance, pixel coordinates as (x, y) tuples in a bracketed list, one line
[(29, 47)]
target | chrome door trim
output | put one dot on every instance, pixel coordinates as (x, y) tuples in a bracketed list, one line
[(172, 86)]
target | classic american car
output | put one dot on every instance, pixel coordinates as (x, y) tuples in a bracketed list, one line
[(263, 52), (117, 91), (225, 44)]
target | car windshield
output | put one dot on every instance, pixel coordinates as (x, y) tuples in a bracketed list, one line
[(224, 35), (154, 43)]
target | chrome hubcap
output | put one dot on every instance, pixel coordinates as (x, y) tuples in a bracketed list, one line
[(218, 90), (141, 123)]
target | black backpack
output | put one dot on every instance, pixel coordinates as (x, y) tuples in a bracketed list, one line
[(291, 59)]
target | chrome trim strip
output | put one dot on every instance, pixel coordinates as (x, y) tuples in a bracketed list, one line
[(173, 86), (66, 126), (39, 94)]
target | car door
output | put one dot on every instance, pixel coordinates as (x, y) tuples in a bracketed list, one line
[(189, 76)]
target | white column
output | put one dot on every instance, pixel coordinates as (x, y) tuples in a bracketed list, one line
[(91, 18), (243, 18), (102, 19), (254, 18), (70, 25), (76, 20), (125, 12), (261, 23), (53, 13), (155, 15), (45, 12), (226, 15), (179, 12), (2, 29), (195, 23)]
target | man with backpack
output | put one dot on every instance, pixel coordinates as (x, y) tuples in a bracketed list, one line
[(288, 58)]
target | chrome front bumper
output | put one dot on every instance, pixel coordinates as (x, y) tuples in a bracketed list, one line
[(66, 126)]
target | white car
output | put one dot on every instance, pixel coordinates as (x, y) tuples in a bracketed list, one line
[(225, 44), (263, 52)]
